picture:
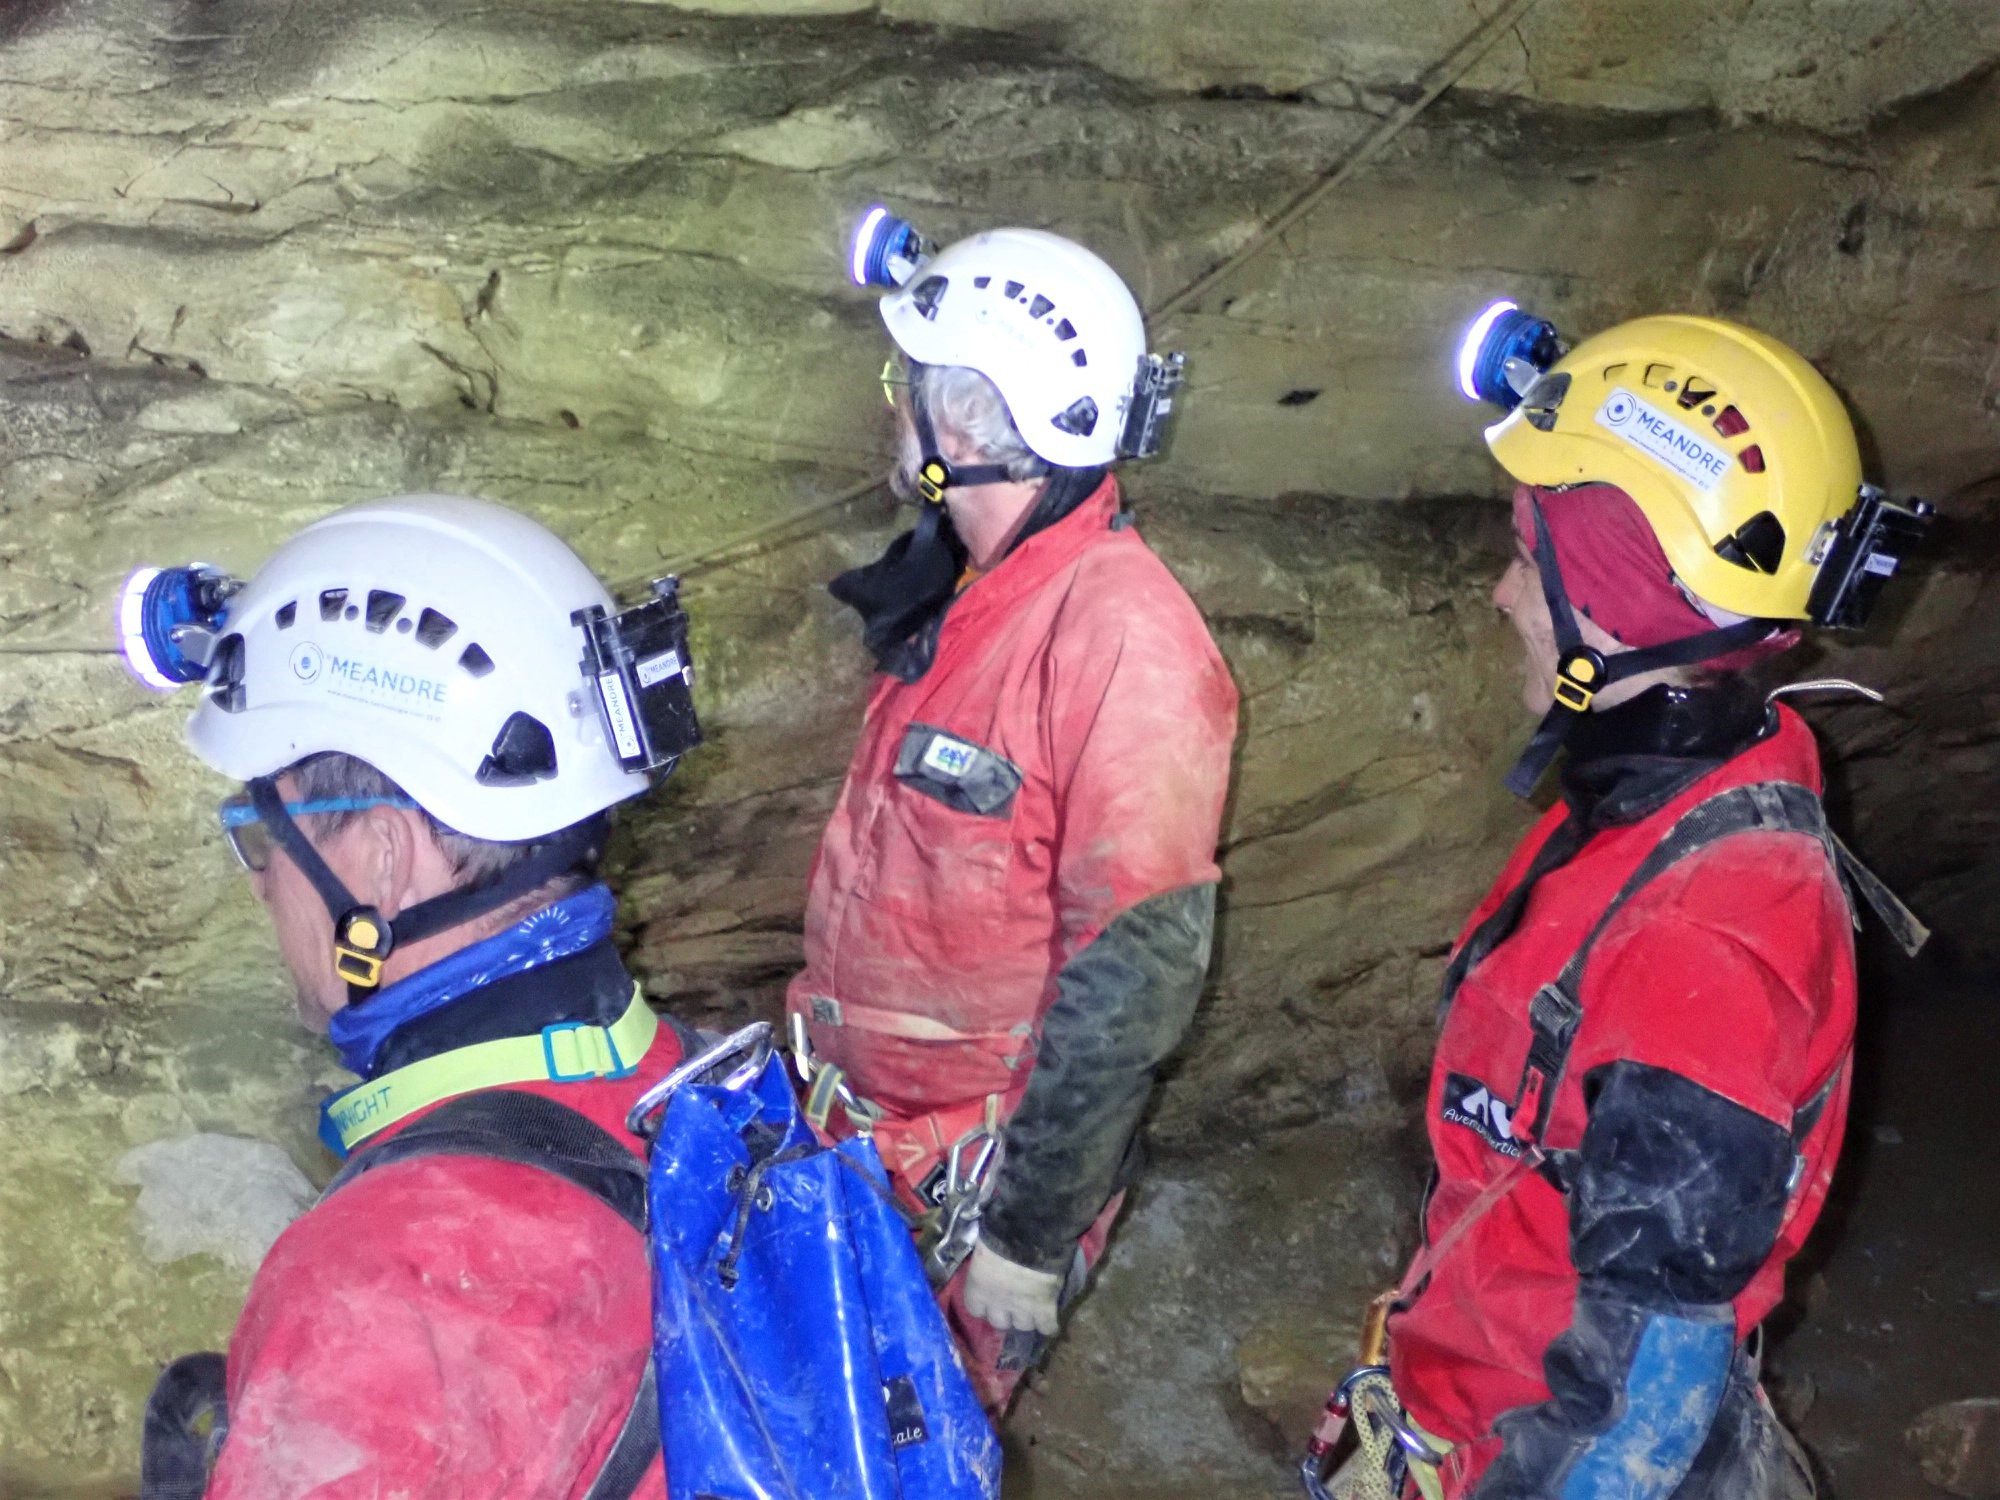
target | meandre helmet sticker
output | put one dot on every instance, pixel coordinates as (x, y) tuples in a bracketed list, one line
[(1659, 436), (363, 681)]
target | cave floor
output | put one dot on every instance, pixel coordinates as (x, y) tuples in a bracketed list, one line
[(1198, 1361)]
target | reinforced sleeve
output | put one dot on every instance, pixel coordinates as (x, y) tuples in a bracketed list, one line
[(1677, 1198), (1122, 1006)]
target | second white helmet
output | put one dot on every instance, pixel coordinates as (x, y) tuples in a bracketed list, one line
[(1049, 323)]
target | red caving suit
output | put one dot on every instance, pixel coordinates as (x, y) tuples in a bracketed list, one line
[(1014, 896)]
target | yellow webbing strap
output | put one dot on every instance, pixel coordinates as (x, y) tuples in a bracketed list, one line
[(568, 1052)]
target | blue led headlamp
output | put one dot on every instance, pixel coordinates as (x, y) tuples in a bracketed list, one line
[(886, 251), (1504, 352), (168, 622)]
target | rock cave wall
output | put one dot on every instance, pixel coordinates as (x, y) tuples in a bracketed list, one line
[(257, 262)]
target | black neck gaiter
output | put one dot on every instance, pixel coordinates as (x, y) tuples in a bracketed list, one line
[(903, 596), (1628, 762)]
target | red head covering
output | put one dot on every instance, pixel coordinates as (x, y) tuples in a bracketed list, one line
[(1614, 571)]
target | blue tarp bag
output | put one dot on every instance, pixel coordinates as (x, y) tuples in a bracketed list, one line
[(799, 1351)]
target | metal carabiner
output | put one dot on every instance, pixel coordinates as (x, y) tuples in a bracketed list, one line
[(968, 1186), (961, 1180), (755, 1039), (802, 1062), (1381, 1401)]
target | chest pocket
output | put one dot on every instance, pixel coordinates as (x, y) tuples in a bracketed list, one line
[(965, 777)]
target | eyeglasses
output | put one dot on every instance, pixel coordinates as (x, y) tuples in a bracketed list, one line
[(894, 377), (250, 841)]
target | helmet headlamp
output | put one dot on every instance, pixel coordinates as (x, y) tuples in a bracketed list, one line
[(1504, 352), (168, 622), (887, 250)]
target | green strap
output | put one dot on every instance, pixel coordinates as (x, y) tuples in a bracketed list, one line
[(568, 1052)]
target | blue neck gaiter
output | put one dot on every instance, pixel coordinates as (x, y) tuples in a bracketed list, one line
[(559, 930)]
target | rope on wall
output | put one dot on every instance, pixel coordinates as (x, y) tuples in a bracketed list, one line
[(1441, 76), (800, 524)]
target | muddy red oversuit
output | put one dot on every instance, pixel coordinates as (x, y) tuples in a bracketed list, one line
[(1582, 1335), (1015, 896), (453, 1326)]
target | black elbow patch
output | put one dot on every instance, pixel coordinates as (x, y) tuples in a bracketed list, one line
[(1678, 1192)]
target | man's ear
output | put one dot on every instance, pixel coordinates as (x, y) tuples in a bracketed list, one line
[(389, 857)]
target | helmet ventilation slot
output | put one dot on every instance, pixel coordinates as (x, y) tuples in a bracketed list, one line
[(475, 660), (225, 678), (1758, 544), (383, 607), (434, 629), (331, 603), (929, 293), (1079, 419), (523, 752), (286, 614)]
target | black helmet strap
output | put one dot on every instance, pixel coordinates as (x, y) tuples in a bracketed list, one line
[(363, 938), (935, 473)]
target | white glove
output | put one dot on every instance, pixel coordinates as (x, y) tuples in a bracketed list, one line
[(1011, 1296)]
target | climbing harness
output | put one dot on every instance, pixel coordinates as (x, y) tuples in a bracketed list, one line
[(945, 1164)]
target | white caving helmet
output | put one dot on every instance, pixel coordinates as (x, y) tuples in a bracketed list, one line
[(459, 649), (1049, 323), (432, 637)]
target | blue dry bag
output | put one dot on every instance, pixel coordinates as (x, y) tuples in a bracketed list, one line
[(799, 1350)]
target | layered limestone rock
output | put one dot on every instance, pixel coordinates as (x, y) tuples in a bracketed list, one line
[(585, 258)]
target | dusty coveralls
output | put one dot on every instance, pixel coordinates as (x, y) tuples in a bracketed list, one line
[(1015, 895), (453, 1326), (1584, 1335)]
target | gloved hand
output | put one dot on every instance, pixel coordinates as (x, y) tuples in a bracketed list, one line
[(1011, 1296)]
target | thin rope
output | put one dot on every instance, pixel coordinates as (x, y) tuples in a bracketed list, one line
[(1443, 74)]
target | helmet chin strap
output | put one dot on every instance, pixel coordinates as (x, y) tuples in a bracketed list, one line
[(935, 473), (1583, 672), (363, 938)]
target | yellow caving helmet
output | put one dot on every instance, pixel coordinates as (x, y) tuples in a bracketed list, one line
[(1734, 447)]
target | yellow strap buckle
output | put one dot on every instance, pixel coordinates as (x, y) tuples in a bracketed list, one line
[(1579, 678), (361, 944), (932, 480)]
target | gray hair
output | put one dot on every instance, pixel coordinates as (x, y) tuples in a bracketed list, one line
[(964, 402), (332, 776)]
